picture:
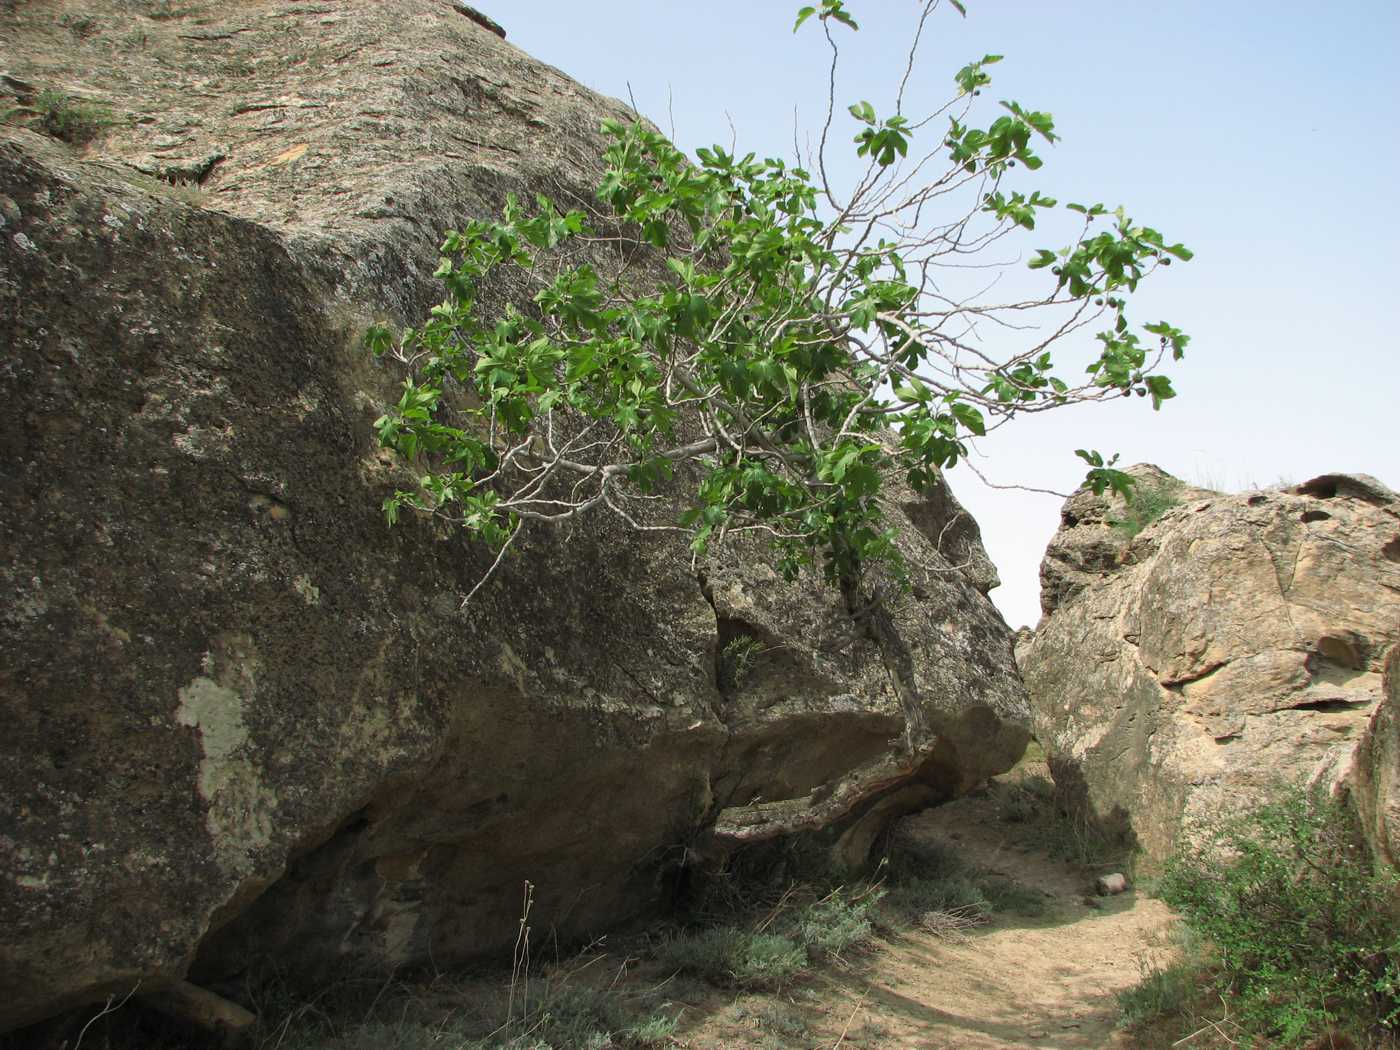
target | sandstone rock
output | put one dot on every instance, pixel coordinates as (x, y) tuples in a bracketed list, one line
[(1235, 643), (246, 720)]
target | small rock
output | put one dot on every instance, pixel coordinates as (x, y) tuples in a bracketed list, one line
[(1110, 885)]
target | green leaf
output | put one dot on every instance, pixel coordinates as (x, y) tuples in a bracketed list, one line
[(378, 339), (1160, 387), (970, 418), (802, 16)]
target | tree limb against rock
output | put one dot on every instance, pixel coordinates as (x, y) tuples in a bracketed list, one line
[(786, 345)]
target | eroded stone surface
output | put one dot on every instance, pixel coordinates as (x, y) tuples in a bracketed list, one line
[(245, 719), (1235, 644)]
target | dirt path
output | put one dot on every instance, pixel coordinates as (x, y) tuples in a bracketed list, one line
[(1036, 983)]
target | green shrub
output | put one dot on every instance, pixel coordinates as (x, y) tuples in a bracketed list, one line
[(1025, 802), (1147, 502), (725, 955), (913, 898), (70, 119), (1164, 992), (656, 1030), (1008, 895), (776, 1018), (928, 877), (736, 660), (834, 925), (1305, 930), (565, 1017)]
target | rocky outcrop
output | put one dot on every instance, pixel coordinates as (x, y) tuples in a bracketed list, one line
[(1235, 643), (1090, 544), (244, 719)]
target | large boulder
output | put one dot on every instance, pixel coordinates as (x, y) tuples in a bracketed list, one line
[(1232, 645), (244, 719)]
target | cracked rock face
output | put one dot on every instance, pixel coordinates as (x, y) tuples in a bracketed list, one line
[(244, 719), (1236, 643)]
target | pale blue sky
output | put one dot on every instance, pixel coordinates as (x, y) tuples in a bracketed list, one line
[(1263, 135)]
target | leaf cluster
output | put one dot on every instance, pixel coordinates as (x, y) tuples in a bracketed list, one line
[(733, 314)]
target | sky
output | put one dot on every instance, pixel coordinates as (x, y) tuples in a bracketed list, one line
[(1262, 135)]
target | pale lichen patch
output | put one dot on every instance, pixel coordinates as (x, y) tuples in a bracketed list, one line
[(240, 806), (309, 592)]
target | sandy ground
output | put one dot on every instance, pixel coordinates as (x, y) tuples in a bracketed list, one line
[(1045, 983)]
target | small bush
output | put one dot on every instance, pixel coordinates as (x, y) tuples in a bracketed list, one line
[(1022, 803), (932, 886), (835, 925), (913, 898), (81, 26), (565, 1017), (908, 859), (725, 955), (1008, 895), (1164, 991), (1148, 502), (1062, 824), (656, 1030), (736, 659), (69, 119), (776, 1018), (1305, 930)]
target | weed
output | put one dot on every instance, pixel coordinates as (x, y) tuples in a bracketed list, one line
[(835, 925), (1163, 991), (729, 956), (1008, 895), (1303, 927), (775, 1018), (656, 1030), (1025, 801), (81, 26), (914, 898), (736, 660), (1147, 502), (931, 886), (70, 119), (1065, 825), (191, 194)]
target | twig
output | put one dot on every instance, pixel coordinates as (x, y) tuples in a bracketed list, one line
[(850, 1020), (108, 1008)]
